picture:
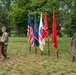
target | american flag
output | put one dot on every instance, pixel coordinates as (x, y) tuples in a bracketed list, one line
[(30, 33)]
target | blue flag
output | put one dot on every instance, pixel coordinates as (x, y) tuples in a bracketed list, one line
[(36, 37)]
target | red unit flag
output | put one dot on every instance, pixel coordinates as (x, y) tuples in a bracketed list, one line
[(54, 32), (45, 27)]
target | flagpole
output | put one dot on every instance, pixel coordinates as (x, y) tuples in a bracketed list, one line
[(48, 47), (30, 47), (57, 54), (35, 50), (41, 52)]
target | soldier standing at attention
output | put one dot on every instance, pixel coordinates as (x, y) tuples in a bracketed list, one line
[(4, 41)]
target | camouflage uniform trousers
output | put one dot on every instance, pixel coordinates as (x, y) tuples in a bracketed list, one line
[(4, 50)]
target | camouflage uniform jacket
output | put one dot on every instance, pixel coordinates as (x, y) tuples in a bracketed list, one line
[(4, 38)]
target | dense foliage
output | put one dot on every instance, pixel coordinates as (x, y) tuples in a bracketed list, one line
[(13, 13)]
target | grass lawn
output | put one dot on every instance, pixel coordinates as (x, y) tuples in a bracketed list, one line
[(22, 62)]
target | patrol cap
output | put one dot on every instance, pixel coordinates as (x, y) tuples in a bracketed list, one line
[(3, 28)]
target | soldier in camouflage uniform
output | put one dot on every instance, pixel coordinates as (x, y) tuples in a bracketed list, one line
[(4, 41)]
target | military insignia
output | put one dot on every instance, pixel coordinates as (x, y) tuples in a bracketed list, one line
[(73, 45)]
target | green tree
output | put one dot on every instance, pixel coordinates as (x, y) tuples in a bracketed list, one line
[(22, 8), (5, 8), (65, 12), (68, 8)]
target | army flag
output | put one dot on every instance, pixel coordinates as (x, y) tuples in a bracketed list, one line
[(30, 34), (54, 32), (36, 36), (45, 27), (41, 40)]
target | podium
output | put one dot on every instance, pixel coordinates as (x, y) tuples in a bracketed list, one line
[(73, 46), (0, 49)]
